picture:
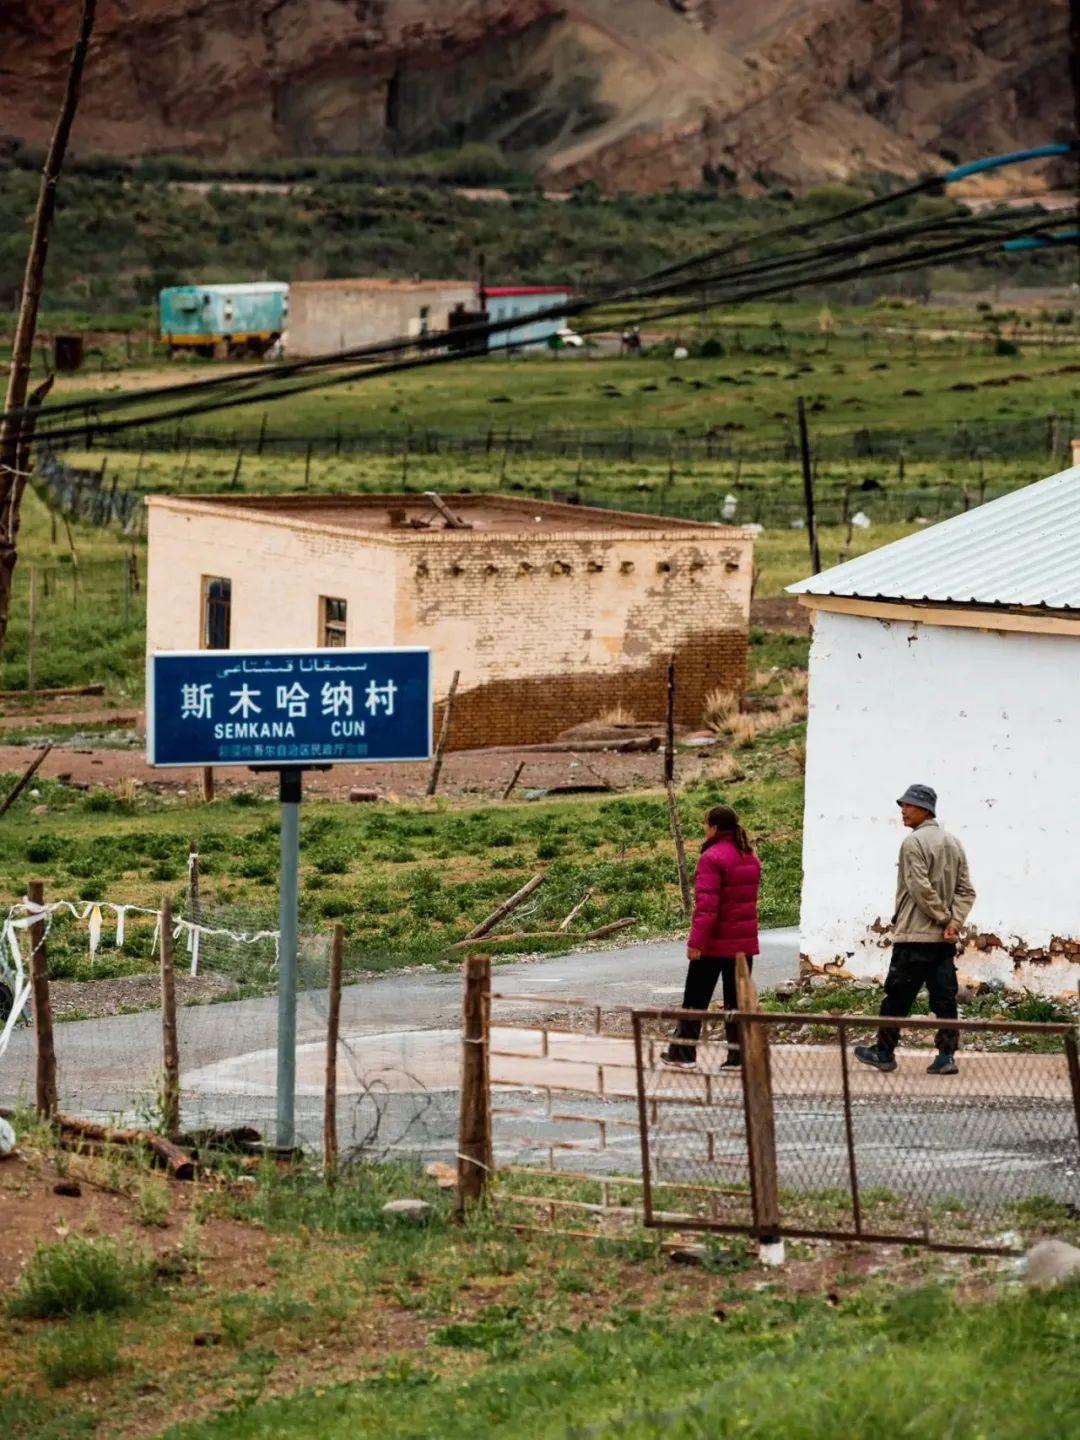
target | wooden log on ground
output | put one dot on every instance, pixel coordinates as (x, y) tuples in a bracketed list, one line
[(612, 929), (178, 1162), (576, 911), (25, 778), (501, 911), (330, 1142), (516, 935), (474, 1161), (60, 693), (44, 1045), (633, 745)]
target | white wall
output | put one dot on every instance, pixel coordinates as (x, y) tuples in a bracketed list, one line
[(992, 721), (278, 573)]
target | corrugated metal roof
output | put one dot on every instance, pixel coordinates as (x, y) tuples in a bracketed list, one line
[(1023, 549)]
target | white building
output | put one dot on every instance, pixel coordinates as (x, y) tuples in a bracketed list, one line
[(952, 658)]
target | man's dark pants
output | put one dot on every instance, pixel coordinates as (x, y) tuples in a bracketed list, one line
[(914, 965), (701, 979)]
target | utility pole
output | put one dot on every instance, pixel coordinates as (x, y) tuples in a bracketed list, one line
[(16, 428), (808, 490)]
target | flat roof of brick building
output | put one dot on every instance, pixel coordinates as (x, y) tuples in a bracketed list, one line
[(409, 516)]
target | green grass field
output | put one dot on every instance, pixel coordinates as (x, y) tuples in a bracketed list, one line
[(405, 880)]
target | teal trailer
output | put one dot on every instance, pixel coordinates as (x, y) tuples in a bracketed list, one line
[(224, 319)]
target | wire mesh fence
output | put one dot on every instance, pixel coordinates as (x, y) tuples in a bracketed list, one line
[(863, 1154), (590, 1126), (1033, 436), (396, 1090)]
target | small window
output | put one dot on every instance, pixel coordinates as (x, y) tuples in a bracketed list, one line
[(425, 319), (217, 612), (333, 620)]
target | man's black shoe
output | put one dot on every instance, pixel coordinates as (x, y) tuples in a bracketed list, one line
[(942, 1065), (877, 1057), (732, 1061)]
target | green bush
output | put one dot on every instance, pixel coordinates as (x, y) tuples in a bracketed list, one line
[(80, 1275), (82, 1351)]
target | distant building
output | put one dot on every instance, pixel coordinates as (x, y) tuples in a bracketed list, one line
[(552, 613), (229, 319), (952, 658), (330, 315), (505, 302)]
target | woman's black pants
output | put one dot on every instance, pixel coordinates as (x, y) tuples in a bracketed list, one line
[(701, 978)]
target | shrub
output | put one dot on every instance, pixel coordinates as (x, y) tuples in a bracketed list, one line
[(1005, 347), (83, 1351), (80, 1275)]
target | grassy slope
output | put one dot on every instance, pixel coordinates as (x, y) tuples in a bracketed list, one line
[(853, 384), (406, 881)]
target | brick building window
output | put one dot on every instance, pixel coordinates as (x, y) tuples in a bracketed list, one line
[(332, 620), (217, 612)]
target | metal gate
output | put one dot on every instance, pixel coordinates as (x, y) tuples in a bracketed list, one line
[(804, 1141)]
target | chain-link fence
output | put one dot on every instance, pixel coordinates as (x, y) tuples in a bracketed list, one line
[(1033, 436), (857, 1153)]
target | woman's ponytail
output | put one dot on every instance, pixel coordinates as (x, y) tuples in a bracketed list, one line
[(724, 820)]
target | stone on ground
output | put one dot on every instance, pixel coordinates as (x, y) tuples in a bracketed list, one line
[(1051, 1262), (411, 1209)]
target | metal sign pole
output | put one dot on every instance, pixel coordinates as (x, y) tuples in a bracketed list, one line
[(291, 781)]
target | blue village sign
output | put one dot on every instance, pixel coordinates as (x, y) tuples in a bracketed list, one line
[(287, 707)]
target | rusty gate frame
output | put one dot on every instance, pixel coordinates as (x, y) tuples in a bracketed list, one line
[(767, 1224)]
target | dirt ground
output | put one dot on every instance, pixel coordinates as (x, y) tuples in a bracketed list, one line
[(35, 1214), (482, 774)]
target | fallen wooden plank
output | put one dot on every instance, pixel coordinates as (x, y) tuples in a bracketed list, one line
[(638, 744), (53, 694), (25, 778), (177, 1161), (501, 911)]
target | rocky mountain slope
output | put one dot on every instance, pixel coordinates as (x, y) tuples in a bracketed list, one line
[(627, 93)]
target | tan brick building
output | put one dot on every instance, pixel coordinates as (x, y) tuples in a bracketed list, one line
[(552, 613), (328, 315)]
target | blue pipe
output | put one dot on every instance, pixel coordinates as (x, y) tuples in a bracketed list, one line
[(997, 162)]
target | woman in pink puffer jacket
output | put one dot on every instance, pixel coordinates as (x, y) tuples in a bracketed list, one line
[(725, 924)]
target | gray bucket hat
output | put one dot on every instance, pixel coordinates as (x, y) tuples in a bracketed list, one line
[(925, 796)]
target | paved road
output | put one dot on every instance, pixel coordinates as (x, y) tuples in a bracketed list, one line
[(387, 1024)]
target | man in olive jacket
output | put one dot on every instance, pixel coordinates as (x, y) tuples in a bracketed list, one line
[(934, 896)]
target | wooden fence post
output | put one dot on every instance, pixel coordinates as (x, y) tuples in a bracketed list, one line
[(31, 642), (207, 784), (669, 732), (444, 736), (680, 849), (45, 1074), (474, 1160), (170, 1049), (333, 1013), (759, 1111)]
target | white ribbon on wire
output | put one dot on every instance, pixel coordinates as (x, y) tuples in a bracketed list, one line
[(26, 913)]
